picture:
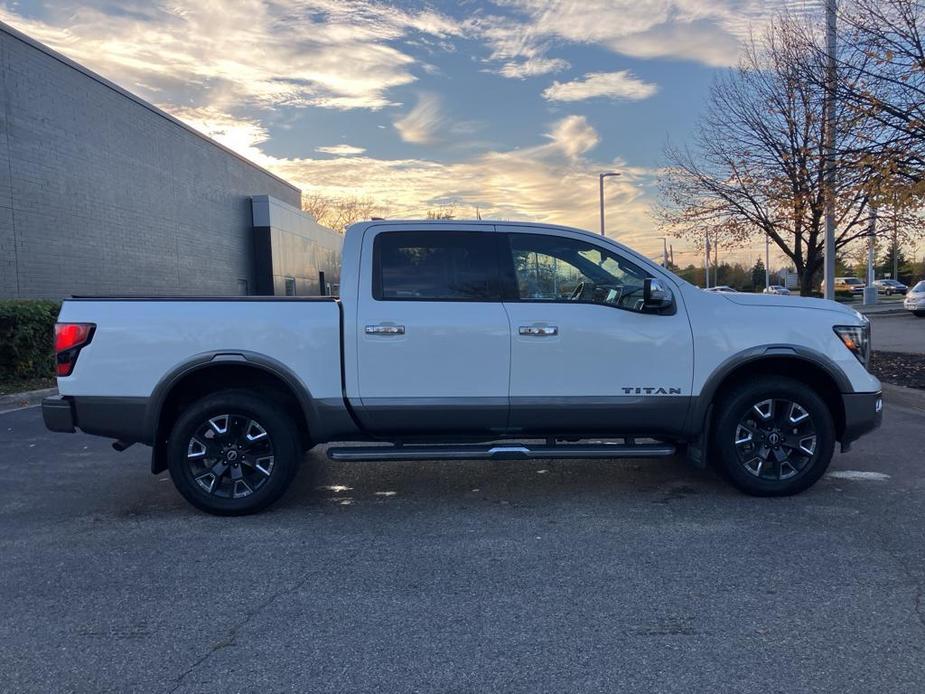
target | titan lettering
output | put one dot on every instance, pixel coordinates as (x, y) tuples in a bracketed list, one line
[(643, 390)]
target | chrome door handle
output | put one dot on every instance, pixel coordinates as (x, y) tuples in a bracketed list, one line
[(385, 329), (539, 330)]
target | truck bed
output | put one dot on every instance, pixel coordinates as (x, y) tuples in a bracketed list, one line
[(138, 340)]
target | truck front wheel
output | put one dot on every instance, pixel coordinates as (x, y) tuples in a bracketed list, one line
[(774, 436), (233, 453)]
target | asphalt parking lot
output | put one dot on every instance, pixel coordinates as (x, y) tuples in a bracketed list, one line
[(898, 333), (514, 577)]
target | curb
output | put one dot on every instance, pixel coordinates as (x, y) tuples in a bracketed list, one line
[(29, 398), (913, 398), (897, 311)]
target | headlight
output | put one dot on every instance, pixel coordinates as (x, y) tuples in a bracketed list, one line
[(857, 339)]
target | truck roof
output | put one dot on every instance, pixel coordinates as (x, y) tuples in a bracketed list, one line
[(440, 224)]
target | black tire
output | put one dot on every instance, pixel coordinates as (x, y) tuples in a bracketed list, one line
[(263, 464), (742, 452), (919, 314)]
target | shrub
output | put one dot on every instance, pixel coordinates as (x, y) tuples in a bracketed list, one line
[(27, 338)]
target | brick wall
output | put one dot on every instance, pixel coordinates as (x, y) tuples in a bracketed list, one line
[(102, 194)]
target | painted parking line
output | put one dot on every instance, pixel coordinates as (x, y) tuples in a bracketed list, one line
[(860, 475)]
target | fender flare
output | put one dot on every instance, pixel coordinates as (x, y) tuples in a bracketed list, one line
[(241, 357), (697, 419)]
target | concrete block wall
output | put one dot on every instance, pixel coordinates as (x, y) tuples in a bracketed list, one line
[(102, 193)]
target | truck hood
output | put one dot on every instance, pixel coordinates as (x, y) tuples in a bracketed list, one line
[(778, 301)]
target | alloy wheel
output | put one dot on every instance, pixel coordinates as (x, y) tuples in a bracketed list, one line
[(230, 456), (775, 439)]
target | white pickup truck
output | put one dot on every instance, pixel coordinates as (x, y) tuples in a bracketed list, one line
[(468, 340)]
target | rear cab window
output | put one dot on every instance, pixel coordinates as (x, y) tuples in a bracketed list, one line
[(435, 266)]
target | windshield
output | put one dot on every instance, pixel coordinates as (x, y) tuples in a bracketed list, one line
[(852, 280), (920, 287)]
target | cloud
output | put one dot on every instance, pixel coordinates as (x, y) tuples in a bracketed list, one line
[(423, 123), (699, 41), (336, 54), (531, 67), (574, 136), (553, 181), (341, 150), (704, 31), (613, 85)]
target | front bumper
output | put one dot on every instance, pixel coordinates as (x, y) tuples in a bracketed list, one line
[(863, 413), (914, 304), (58, 413)]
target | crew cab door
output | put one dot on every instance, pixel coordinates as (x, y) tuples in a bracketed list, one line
[(586, 358), (433, 339)]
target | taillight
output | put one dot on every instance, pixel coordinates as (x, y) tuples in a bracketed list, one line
[(69, 339)]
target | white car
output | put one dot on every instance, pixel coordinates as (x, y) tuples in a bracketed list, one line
[(721, 288), (468, 340), (915, 299), (778, 289)]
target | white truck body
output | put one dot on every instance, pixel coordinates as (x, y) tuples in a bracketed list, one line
[(510, 364)]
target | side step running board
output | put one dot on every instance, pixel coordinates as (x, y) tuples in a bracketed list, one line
[(507, 451)]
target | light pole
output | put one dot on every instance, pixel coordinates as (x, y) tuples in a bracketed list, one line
[(870, 291), (829, 171), (601, 178), (664, 252), (706, 260), (767, 261)]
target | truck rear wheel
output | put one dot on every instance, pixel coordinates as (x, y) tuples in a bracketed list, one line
[(233, 453), (774, 436)]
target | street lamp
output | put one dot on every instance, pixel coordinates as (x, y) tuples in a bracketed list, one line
[(831, 77), (664, 251), (767, 260), (601, 177)]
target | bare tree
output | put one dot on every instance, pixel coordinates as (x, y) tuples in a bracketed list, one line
[(883, 80), (442, 212), (339, 212), (757, 160)]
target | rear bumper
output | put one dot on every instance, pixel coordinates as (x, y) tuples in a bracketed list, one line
[(863, 413), (115, 417), (58, 413)]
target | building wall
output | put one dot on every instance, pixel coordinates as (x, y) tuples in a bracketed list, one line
[(102, 193), (290, 246)]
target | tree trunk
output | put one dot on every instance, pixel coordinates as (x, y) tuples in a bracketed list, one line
[(806, 281)]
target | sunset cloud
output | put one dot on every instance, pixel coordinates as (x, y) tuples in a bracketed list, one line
[(421, 125), (322, 53), (341, 150), (611, 85)]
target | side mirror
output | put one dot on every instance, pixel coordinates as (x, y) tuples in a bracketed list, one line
[(656, 296)]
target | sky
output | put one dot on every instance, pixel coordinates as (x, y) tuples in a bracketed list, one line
[(509, 106)]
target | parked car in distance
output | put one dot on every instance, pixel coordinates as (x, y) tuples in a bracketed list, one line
[(915, 299), (890, 287), (776, 289), (467, 341), (847, 284), (720, 288)]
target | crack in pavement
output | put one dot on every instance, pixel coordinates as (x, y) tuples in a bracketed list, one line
[(919, 598), (916, 583), (229, 638)]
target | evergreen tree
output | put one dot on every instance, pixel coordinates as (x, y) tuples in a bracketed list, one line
[(758, 275)]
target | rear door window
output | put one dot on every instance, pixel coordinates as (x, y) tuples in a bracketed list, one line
[(435, 266)]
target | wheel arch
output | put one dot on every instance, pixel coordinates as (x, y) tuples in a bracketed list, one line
[(807, 366), (213, 371)]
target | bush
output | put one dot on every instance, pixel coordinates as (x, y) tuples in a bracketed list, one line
[(27, 339)]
